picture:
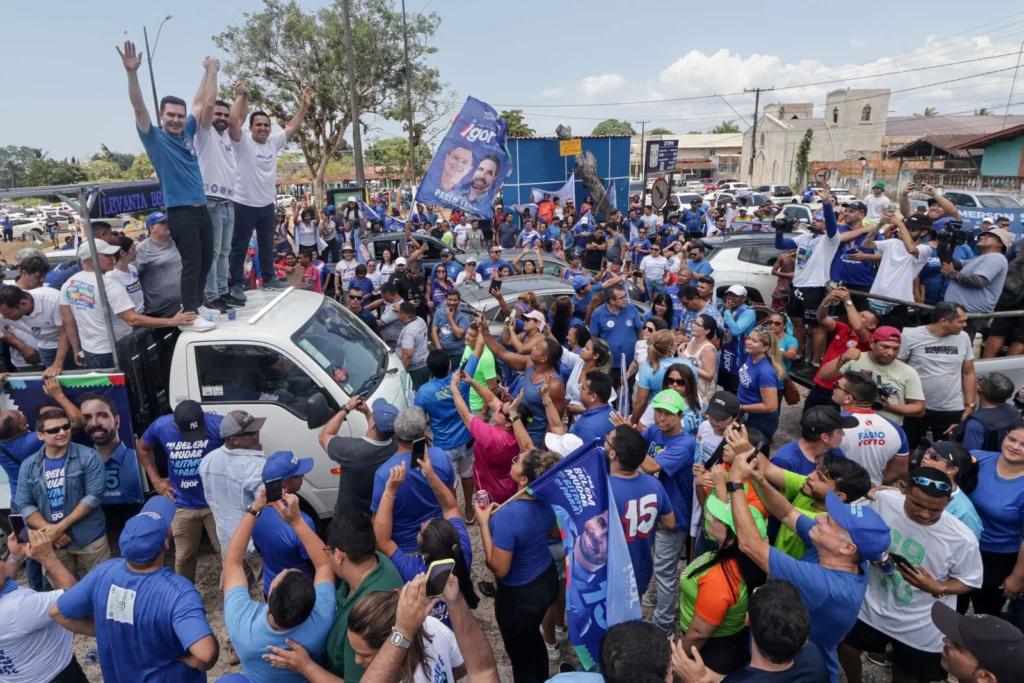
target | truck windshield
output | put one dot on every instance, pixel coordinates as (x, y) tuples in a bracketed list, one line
[(340, 344)]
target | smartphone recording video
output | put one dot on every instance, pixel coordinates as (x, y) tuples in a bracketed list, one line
[(274, 490), (419, 451), (437, 577)]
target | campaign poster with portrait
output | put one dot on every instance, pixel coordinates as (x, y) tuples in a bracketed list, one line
[(103, 400), (471, 163)]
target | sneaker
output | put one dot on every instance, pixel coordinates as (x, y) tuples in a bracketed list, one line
[(236, 294), (215, 304), (201, 324), (561, 635), (883, 659), (275, 284), (553, 654), (223, 299)]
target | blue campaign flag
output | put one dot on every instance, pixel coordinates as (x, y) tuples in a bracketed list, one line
[(600, 584), (367, 211), (471, 162), (612, 199), (972, 217), (360, 256)]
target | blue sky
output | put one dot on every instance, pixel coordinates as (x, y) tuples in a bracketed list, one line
[(65, 89)]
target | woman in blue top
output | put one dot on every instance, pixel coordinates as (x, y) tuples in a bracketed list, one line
[(440, 285), (516, 550), (999, 500), (782, 327), (661, 351), (759, 382), (438, 539), (662, 308)]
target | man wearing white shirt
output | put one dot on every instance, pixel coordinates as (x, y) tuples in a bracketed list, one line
[(85, 320), (218, 166), (936, 558), (654, 266), (256, 186), (877, 203), (903, 259), (33, 328)]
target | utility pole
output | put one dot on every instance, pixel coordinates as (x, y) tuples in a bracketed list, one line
[(643, 163), (353, 98), (149, 60), (753, 131), (408, 96)]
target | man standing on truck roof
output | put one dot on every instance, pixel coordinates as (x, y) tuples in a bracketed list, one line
[(102, 424), (173, 153), (187, 437)]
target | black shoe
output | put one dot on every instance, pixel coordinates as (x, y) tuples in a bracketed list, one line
[(215, 304), (486, 589), (228, 302), (236, 296), (883, 659)]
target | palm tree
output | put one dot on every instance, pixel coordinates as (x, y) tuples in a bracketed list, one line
[(984, 111), (931, 111), (726, 127)]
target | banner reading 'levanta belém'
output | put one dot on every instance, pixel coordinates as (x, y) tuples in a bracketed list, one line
[(470, 164)]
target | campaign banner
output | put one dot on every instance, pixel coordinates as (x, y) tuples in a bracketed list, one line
[(133, 197), (367, 211), (600, 585), (103, 400), (972, 217), (567, 191), (661, 155), (471, 163)]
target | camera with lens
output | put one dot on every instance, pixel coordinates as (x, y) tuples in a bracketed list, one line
[(784, 224), (949, 238)]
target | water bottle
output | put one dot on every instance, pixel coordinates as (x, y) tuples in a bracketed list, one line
[(232, 314), (886, 564), (92, 656)]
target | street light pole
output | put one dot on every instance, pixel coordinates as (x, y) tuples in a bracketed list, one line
[(408, 95), (149, 59), (357, 138)]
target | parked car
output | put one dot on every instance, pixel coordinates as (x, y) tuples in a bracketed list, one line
[(843, 195), (779, 192), (693, 186), (800, 212), (744, 259), (750, 199), (982, 200), (735, 187)]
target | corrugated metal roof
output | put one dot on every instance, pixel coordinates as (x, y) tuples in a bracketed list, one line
[(998, 136), (946, 144), (918, 126)]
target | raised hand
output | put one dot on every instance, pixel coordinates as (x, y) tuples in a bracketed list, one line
[(307, 93), (131, 58), (241, 90), (395, 478)]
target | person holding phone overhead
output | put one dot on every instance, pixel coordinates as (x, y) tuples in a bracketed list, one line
[(415, 502)]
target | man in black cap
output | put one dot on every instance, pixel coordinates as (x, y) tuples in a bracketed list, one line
[(186, 436), (821, 431), (979, 649)]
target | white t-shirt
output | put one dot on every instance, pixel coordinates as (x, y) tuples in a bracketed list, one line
[(463, 276), (874, 442), (217, 162), (814, 254), (131, 283), (256, 184), (346, 270), (654, 267), (461, 234), (39, 329), (876, 207), (640, 353), (896, 272), (375, 278), (442, 654), (81, 295), (305, 234), (939, 362), (707, 444), (34, 647), (947, 550)]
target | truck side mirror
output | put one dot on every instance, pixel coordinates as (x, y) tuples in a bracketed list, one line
[(318, 412)]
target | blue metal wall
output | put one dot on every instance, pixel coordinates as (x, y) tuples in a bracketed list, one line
[(536, 163)]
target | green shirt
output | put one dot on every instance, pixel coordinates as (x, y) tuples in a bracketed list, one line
[(787, 541), (485, 370), (341, 658)]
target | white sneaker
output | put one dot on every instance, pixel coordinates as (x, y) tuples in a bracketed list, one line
[(553, 654), (200, 324), (561, 635)]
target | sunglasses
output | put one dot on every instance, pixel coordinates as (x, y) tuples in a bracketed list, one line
[(649, 329), (66, 427), (773, 322), (925, 481), (673, 381), (355, 298)]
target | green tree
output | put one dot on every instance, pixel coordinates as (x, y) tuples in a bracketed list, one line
[(102, 170), (123, 160), (282, 48), (661, 131), (44, 171), (802, 153), (726, 127), (984, 111), (14, 161), (141, 168), (517, 127), (613, 127), (393, 155), (929, 111)]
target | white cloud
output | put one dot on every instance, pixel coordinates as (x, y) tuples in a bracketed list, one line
[(595, 85), (856, 44), (551, 92)]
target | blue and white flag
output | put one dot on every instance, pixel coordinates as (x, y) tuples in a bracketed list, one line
[(471, 162), (367, 211), (612, 200), (600, 584), (567, 191)]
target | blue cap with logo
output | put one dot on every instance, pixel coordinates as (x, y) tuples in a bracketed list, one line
[(155, 217), (580, 281), (384, 416), (144, 535), (285, 464), (330, 210), (867, 529)]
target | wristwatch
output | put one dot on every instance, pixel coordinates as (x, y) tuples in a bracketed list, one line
[(733, 486), (398, 640), (252, 511)]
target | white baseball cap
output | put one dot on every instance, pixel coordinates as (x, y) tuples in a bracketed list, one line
[(101, 248), (562, 444), (400, 261), (738, 290), (584, 220)]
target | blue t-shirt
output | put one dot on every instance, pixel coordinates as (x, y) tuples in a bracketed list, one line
[(619, 330), (124, 483), (961, 507), (365, 285), (13, 453), (409, 566), (1000, 504), (521, 528), (738, 323), (53, 475), (507, 233), (652, 380), (280, 546), (144, 622), (451, 344), (580, 303), (698, 269), (788, 342), (860, 273), (183, 457), (809, 666), (593, 424), (250, 632), (675, 456), (415, 502), (934, 282), (753, 377), (790, 457), (435, 398), (643, 244), (489, 267), (832, 597), (640, 500), (176, 164)]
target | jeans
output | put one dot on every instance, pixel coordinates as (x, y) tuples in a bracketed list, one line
[(192, 233), (9, 235), (95, 361), (916, 428), (222, 217), (519, 611), (246, 218), (654, 287), (47, 356), (36, 580), (668, 548)]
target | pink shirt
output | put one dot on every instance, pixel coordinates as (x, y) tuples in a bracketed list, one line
[(493, 452)]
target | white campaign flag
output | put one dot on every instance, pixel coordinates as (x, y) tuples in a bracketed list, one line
[(567, 191)]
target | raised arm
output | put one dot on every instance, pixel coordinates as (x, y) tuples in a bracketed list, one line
[(206, 96), (293, 125), (233, 573), (941, 200), (288, 508), (132, 60), (445, 498), (513, 360), (238, 111)]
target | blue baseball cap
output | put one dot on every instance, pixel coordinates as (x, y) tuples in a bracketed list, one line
[(867, 529), (384, 416), (285, 464), (580, 281), (144, 535), (820, 216), (330, 210), (155, 217)]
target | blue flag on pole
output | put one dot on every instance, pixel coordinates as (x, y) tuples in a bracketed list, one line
[(367, 211), (600, 584), (611, 196), (471, 162)]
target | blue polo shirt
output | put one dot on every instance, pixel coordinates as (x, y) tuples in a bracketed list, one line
[(435, 398), (124, 485), (415, 502), (280, 546), (580, 303), (488, 267), (674, 454), (13, 453), (593, 424), (184, 457), (176, 164), (619, 330)]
